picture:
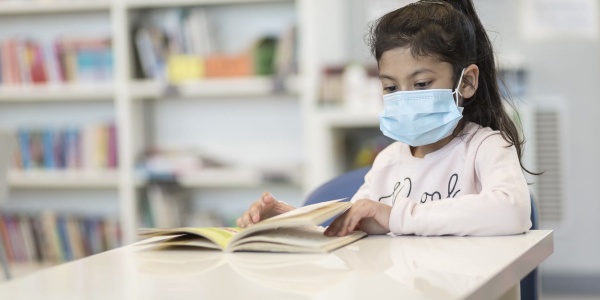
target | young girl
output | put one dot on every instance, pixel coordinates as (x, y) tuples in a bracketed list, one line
[(456, 168)]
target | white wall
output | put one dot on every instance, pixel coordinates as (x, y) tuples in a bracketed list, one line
[(566, 67)]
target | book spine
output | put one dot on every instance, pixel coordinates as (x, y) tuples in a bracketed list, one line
[(24, 145), (37, 148), (60, 61), (75, 243), (59, 149), (101, 151), (52, 239), (38, 238), (112, 146), (63, 234), (48, 153), (14, 61), (15, 239), (38, 67), (51, 66), (27, 238), (95, 235), (84, 227)]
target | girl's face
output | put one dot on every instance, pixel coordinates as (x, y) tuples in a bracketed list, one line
[(400, 71)]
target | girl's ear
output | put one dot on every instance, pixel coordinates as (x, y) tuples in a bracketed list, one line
[(470, 81)]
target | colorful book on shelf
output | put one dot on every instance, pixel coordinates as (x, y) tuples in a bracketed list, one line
[(51, 237), (294, 231), (67, 59), (92, 147), (182, 68)]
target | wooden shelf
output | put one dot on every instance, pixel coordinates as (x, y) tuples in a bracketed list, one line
[(52, 93), (137, 4), (40, 179), (14, 7), (228, 87)]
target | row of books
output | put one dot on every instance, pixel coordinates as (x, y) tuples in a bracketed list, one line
[(178, 44), (93, 147), (65, 60), (49, 237)]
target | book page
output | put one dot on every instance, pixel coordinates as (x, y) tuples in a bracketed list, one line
[(304, 210), (294, 239), (304, 216), (188, 240), (220, 236)]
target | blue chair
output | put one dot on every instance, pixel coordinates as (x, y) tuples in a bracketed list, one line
[(530, 285), (346, 185)]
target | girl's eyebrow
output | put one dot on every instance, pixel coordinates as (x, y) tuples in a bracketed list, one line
[(412, 75), (383, 76), (419, 71)]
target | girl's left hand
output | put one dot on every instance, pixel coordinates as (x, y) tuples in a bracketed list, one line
[(369, 216)]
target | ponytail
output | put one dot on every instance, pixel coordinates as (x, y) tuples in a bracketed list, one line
[(451, 31)]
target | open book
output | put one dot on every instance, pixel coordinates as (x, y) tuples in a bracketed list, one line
[(294, 231)]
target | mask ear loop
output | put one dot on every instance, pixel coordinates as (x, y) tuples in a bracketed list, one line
[(456, 91)]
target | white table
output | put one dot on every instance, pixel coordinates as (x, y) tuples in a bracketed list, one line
[(377, 267)]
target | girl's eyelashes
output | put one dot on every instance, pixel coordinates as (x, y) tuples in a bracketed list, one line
[(422, 85), (390, 89)]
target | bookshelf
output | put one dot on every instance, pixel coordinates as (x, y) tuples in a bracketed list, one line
[(126, 98)]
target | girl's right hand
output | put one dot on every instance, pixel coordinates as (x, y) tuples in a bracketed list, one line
[(265, 207)]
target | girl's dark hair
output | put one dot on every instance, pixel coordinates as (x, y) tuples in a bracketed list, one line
[(451, 32)]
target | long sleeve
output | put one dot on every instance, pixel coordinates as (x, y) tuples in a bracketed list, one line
[(501, 208)]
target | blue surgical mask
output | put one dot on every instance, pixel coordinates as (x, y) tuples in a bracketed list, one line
[(421, 117)]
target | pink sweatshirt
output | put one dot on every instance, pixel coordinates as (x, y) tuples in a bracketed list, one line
[(477, 170)]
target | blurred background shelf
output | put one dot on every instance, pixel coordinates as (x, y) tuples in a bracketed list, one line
[(13, 7), (214, 87), (221, 178), (227, 178), (38, 179), (60, 92)]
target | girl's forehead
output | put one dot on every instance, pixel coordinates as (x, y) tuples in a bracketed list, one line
[(401, 60), (404, 56)]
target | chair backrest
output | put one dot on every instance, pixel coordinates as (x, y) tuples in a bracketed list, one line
[(534, 214), (345, 185)]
